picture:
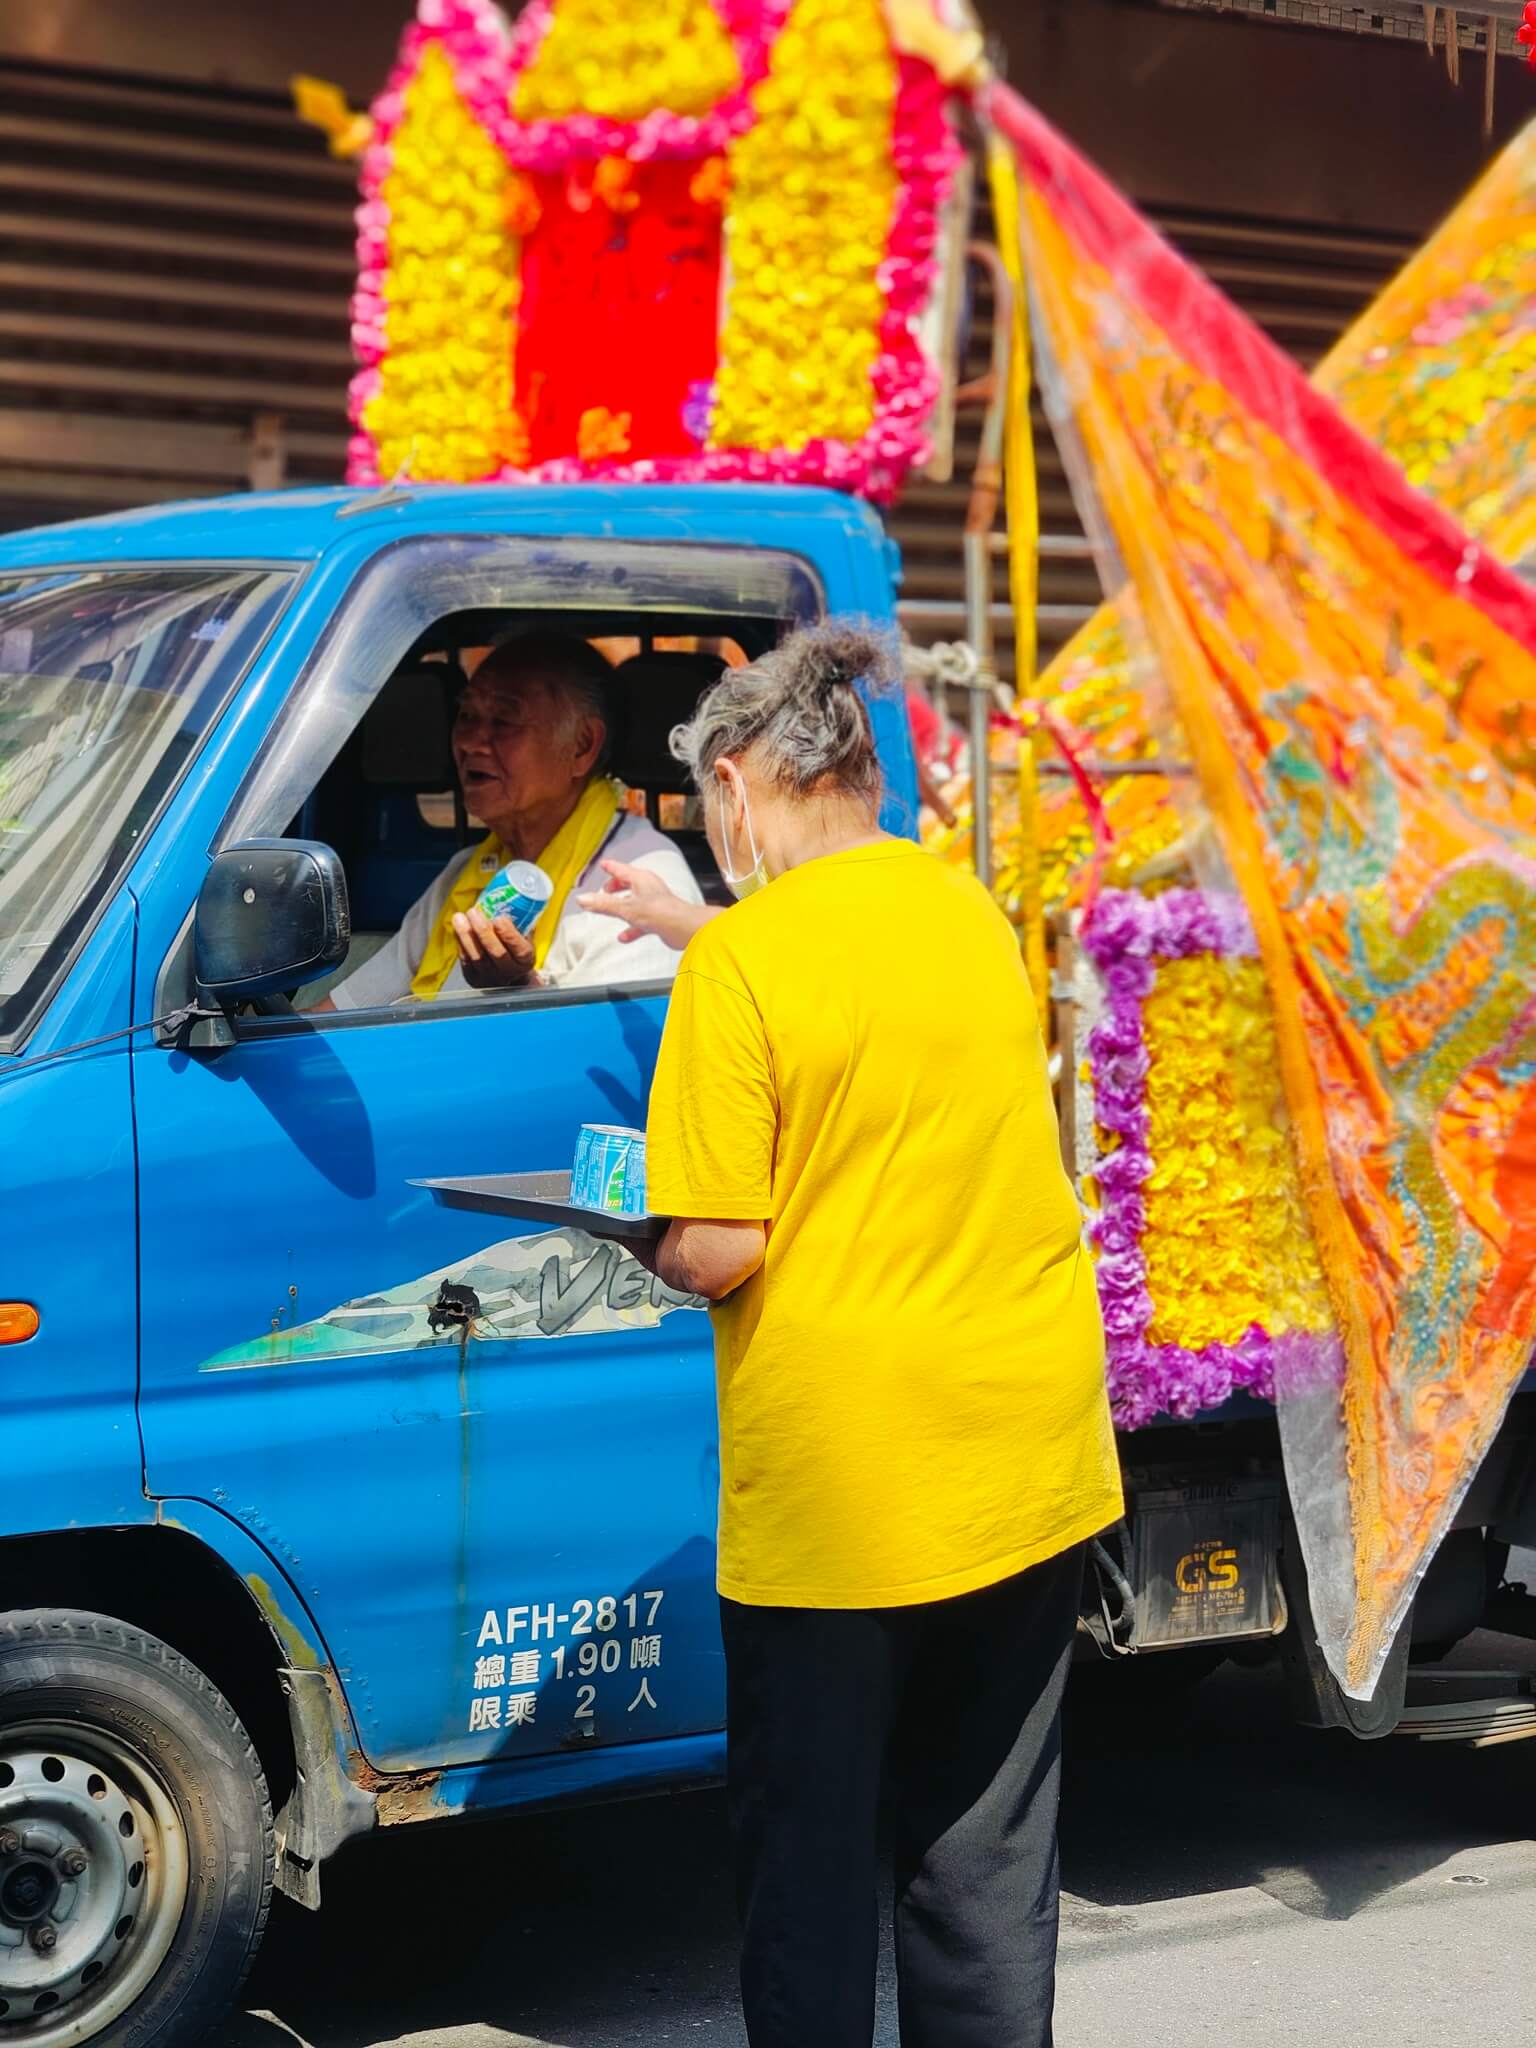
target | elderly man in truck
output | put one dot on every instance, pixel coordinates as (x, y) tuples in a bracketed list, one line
[(531, 740)]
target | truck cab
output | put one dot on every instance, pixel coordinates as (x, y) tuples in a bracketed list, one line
[(330, 1505)]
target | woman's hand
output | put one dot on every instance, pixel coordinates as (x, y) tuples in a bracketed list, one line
[(493, 952), (647, 906)]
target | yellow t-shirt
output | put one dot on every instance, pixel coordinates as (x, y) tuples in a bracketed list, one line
[(911, 1387)]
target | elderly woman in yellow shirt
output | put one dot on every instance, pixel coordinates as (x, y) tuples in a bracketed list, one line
[(851, 1123)]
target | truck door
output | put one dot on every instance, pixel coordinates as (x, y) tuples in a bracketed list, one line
[(484, 1455)]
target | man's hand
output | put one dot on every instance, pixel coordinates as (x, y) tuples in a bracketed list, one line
[(930, 794), (494, 954)]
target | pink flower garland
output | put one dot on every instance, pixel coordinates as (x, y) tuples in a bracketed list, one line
[(1124, 935), (475, 37), (486, 59)]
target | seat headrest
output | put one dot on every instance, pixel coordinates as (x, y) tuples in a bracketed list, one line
[(408, 728), (656, 692)]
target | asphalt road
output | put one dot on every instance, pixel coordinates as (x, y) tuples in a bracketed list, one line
[(1229, 1879)]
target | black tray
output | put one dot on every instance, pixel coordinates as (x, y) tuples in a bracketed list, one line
[(540, 1198)]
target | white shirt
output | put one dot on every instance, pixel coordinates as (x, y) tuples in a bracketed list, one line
[(587, 952)]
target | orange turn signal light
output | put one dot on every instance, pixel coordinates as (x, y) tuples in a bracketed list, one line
[(18, 1322)]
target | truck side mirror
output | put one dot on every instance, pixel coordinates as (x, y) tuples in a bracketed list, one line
[(272, 914)]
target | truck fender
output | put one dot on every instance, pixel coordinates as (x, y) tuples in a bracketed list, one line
[(326, 1806)]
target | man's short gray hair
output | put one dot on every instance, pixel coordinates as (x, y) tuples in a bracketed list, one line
[(799, 711), (570, 669)]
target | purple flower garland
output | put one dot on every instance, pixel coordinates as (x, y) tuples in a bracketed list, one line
[(1125, 935)]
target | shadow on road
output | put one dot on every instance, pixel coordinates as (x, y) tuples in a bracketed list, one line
[(581, 1928), (1225, 1792), (615, 1926)]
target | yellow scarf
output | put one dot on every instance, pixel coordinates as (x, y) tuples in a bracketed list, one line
[(565, 860)]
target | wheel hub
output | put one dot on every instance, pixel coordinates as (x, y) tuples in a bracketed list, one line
[(29, 1892), (92, 1881)]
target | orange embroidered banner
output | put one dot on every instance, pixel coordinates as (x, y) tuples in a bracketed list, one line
[(1440, 372), (1336, 653)]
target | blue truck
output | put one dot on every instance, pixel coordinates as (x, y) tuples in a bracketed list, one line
[(331, 1506)]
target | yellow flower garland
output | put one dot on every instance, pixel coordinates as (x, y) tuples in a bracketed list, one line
[(445, 385), (623, 59), (1226, 1243), (813, 186), (1146, 824)]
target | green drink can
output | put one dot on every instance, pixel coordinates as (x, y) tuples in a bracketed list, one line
[(520, 891), (609, 1173)]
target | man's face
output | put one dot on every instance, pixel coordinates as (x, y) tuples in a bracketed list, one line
[(519, 748)]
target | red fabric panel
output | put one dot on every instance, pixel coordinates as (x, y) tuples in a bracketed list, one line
[(620, 309)]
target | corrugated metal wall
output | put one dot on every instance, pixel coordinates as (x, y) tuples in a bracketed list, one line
[(175, 266), (174, 273)]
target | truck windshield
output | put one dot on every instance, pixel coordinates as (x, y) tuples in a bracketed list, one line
[(108, 680)]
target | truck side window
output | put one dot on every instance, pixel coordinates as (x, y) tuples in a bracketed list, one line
[(361, 758), (392, 807)]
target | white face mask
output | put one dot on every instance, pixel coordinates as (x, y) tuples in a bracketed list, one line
[(755, 877)]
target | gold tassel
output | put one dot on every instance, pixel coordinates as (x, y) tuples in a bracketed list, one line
[(1022, 495), (324, 106), (1031, 883), (957, 55)]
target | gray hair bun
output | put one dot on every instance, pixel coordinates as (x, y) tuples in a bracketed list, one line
[(798, 710)]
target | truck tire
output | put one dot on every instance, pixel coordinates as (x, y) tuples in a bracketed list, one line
[(136, 1850)]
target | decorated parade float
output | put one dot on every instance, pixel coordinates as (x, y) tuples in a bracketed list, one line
[(1267, 827), (669, 243)]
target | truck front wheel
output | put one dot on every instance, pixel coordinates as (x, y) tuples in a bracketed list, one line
[(136, 1850)]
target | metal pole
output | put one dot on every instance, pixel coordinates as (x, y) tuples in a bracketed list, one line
[(980, 518), (978, 632)]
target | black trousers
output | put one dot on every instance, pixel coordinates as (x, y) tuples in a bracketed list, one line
[(957, 1704)]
